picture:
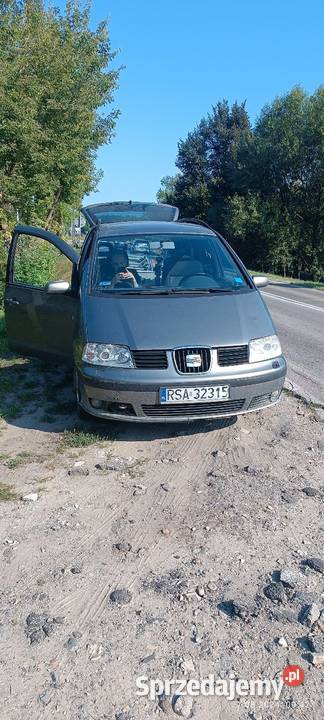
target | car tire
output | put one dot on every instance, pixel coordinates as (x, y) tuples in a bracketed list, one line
[(82, 414)]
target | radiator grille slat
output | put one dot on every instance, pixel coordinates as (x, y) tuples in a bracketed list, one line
[(199, 409), (235, 355), (259, 401), (150, 359)]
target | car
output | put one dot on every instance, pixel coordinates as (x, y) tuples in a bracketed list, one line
[(158, 316)]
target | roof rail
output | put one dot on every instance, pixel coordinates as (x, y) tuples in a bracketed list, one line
[(196, 221)]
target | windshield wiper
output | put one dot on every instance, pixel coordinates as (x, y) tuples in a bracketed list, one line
[(126, 293), (195, 291), (166, 291)]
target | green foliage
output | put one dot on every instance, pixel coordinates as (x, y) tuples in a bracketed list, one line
[(7, 493), (205, 160), (35, 262), (80, 439), (54, 78), (265, 187)]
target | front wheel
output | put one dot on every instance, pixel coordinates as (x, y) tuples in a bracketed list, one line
[(82, 414)]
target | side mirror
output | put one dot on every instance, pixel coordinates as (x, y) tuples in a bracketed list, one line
[(260, 281), (57, 287)]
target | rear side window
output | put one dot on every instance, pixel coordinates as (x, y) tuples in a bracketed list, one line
[(172, 261)]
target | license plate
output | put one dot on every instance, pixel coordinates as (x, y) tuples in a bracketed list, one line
[(209, 393)]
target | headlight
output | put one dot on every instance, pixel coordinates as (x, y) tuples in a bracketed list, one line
[(107, 355), (264, 348)]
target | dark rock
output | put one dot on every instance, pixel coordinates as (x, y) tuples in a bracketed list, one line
[(238, 608), (316, 564), (320, 445), (36, 636), (123, 546), (253, 469), (310, 491), (285, 615), (55, 681), (36, 619), (165, 487), (72, 643), (76, 569), (124, 715), (309, 614), (276, 593), (48, 628), (121, 596)]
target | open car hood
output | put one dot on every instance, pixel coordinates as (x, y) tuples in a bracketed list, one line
[(115, 212)]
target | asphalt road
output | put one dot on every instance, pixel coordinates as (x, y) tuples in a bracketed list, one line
[(298, 314)]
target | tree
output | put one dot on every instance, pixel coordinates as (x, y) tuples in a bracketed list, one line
[(205, 160), (264, 187), (282, 165), (54, 79)]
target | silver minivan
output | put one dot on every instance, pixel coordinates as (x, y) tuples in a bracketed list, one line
[(161, 320)]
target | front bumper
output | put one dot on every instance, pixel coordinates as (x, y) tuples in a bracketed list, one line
[(133, 395)]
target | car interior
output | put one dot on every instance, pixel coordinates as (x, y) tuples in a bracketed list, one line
[(171, 262)]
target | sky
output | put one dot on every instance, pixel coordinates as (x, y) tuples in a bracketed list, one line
[(181, 57)]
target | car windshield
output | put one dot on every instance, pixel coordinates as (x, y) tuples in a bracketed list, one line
[(170, 263)]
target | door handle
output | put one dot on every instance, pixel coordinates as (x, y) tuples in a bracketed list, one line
[(12, 301)]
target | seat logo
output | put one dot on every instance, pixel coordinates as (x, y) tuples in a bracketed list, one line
[(193, 360)]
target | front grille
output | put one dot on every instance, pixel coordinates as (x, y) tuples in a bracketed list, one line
[(180, 357), (150, 359), (259, 401), (235, 355), (228, 407)]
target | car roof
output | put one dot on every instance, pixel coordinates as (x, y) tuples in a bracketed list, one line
[(151, 228)]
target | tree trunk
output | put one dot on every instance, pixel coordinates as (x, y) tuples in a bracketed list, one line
[(50, 214)]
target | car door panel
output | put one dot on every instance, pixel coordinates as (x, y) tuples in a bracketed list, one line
[(39, 323)]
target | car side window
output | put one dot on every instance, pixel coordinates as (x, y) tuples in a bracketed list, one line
[(37, 262)]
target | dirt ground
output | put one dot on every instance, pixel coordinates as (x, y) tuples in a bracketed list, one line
[(191, 523)]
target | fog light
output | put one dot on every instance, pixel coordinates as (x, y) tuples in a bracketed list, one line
[(96, 403), (274, 395)]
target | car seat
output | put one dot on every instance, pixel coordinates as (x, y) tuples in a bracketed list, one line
[(181, 269)]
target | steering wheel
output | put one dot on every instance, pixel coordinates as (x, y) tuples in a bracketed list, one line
[(209, 280), (124, 284)]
